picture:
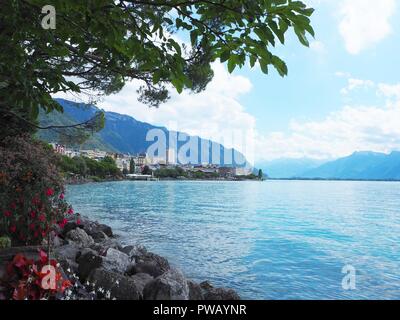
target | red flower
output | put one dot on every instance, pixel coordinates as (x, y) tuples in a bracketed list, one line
[(32, 226), (13, 229), (42, 218), (7, 213), (62, 196), (43, 257), (78, 221), (33, 214), (70, 211), (65, 285), (63, 223), (49, 192)]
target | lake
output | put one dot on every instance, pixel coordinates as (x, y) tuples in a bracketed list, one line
[(267, 240)]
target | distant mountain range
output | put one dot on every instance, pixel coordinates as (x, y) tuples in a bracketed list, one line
[(286, 168), (358, 166), (124, 134)]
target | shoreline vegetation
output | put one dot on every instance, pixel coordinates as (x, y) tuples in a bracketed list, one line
[(82, 169)]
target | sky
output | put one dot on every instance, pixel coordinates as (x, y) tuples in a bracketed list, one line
[(341, 95)]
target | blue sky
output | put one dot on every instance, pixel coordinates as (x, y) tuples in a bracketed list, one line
[(312, 89), (341, 95)]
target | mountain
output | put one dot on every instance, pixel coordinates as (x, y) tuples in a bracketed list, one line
[(125, 134), (286, 168), (360, 166)]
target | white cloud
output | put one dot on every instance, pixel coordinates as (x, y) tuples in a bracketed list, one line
[(389, 91), (364, 23), (215, 113), (353, 84), (353, 128)]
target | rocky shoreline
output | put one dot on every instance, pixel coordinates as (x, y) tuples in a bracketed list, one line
[(101, 268)]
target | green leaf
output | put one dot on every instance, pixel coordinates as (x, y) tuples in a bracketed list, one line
[(232, 63), (225, 55)]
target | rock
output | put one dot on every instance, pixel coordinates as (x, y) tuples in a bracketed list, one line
[(103, 246), (211, 293), (80, 237), (70, 266), (88, 262), (195, 292), (71, 225), (150, 263), (106, 230), (66, 256), (141, 280), (135, 251), (98, 236), (116, 261), (68, 251), (150, 268), (95, 229), (171, 285), (58, 242), (120, 287)]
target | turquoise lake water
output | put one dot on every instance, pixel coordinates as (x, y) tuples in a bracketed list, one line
[(267, 240)]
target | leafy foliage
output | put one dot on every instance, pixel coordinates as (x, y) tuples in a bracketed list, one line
[(85, 166), (5, 242), (24, 278), (103, 44), (31, 192)]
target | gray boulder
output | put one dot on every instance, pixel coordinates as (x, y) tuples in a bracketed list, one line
[(95, 229), (116, 261), (67, 255), (80, 237), (103, 246), (106, 230), (141, 280), (212, 293), (172, 285), (195, 292), (118, 286), (69, 251), (134, 251), (70, 225), (98, 236), (150, 263), (88, 261)]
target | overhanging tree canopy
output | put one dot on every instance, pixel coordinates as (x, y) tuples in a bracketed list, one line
[(99, 45)]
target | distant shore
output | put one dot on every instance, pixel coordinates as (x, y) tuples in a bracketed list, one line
[(330, 179), (84, 180), (116, 179)]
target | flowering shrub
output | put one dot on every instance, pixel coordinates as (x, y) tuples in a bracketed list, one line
[(34, 280), (31, 191)]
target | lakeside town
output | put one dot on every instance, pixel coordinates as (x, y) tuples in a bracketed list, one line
[(143, 167)]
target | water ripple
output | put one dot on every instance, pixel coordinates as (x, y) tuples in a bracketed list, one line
[(272, 240)]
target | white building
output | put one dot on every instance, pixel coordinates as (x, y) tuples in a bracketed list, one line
[(245, 171)]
